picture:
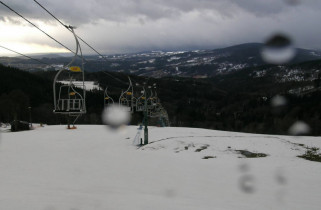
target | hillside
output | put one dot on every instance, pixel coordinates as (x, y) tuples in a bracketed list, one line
[(198, 63), (240, 101), (92, 167), (20, 90)]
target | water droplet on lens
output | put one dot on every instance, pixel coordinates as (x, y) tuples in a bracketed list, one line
[(278, 50), (247, 183), (116, 116), (278, 101), (170, 193), (299, 128), (280, 177), (244, 167), (50, 208)]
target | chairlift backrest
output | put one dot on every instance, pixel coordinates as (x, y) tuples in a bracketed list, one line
[(107, 99), (127, 97)]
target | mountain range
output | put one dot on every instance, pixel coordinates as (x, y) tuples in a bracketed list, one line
[(198, 64)]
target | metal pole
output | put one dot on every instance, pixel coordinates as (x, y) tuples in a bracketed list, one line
[(30, 120), (145, 120), (68, 122)]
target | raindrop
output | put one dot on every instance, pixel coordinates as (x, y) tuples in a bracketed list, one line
[(244, 167), (170, 193), (278, 50), (280, 177), (50, 208), (116, 116), (247, 183), (281, 190), (278, 101), (299, 128), (278, 104)]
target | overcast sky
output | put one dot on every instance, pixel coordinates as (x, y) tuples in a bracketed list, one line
[(118, 26)]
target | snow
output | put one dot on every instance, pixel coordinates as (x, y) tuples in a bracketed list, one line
[(92, 167)]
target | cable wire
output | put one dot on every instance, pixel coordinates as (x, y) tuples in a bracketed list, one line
[(115, 78), (68, 28), (25, 56), (37, 27), (51, 14)]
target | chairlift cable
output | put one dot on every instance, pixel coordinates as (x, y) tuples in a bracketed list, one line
[(37, 27), (66, 27), (25, 56), (114, 77), (78, 38)]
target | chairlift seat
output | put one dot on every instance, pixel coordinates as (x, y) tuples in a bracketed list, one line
[(70, 106), (77, 112)]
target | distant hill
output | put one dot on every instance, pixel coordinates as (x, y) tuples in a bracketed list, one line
[(198, 63)]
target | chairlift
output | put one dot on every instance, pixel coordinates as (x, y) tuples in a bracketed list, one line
[(153, 107), (127, 97), (140, 102), (153, 104), (156, 111), (70, 101), (107, 99)]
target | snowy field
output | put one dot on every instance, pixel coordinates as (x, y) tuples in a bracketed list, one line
[(93, 168)]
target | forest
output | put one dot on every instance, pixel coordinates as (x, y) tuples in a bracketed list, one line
[(232, 102)]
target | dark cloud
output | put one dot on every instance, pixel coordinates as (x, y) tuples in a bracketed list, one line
[(82, 12), (146, 24)]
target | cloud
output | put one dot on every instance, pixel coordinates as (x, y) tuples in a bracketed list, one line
[(88, 11), (12, 21), (80, 12), (134, 25)]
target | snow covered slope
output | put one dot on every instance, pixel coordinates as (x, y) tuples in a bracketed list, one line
[(93, 168)]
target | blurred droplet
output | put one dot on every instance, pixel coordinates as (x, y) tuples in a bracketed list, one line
[(278, 50), (170, 193), (244, 167), (247, 183), (281, 180), (50, 208), (116, 116), (280, 177), (278, 101), (292, 2), (299, 128), (278, 104)]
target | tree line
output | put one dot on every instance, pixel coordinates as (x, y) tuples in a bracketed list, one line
[(231, 102)]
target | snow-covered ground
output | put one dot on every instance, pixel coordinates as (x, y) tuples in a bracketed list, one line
[(52, 168)]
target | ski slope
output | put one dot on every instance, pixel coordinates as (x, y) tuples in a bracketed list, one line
[(94, 168)]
